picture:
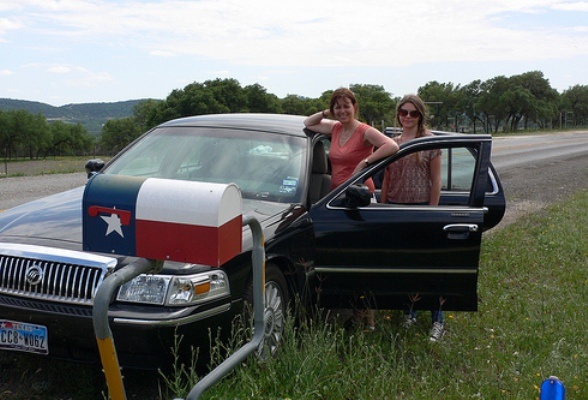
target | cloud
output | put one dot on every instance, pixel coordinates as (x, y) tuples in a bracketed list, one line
[(90, 79), (573, 6), (5, 72), (75, 75), (343, 32), (7, 25), (60, 69), (162, 53), (115, 46)]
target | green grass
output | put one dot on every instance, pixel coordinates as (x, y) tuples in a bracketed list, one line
[(532, 323), (52, 165)]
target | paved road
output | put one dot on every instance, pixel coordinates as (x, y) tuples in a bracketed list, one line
[(540, 169), (510, 152), (535, 170)]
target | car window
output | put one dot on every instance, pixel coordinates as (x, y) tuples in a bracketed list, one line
[(458, 166), (264, 165), (457, 169)]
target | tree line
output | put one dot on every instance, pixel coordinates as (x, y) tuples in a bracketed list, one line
[(506, 104), (24, 134)]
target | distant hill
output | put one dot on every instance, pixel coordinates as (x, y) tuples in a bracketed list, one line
[(90, 115)]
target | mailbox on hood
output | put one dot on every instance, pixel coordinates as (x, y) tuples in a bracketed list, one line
[(162, 219)]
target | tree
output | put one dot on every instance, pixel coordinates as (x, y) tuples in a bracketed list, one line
[(444, 101), (519, 102), (297, 105), (538, 99), (228, 93), (470, 95), (117, 133), (259, 101), (575, 101), (147, 113), (68, 139), (375, 104), (492, 101), (194, 99), (26, 133), (6, 139)]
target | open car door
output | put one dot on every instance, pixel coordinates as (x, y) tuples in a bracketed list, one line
[(385, 256)]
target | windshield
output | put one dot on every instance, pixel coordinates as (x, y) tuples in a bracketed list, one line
[(264, 165)]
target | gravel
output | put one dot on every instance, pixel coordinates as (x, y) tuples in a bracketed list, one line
[(533, 187), (15, 191)]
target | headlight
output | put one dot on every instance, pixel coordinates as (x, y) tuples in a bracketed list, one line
[(150, 289), (175, 290)]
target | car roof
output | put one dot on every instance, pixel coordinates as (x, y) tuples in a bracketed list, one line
[(279, 123)]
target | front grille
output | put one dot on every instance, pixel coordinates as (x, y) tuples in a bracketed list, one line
[(51, 274), (58, 308)]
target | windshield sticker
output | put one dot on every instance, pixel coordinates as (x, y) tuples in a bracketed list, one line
[(289, 185)]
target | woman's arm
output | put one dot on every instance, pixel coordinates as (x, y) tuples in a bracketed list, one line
[(317, 122), (385, 147)]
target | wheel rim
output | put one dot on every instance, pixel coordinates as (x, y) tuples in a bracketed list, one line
[(273, 320)]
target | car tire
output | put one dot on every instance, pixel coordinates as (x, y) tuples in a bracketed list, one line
[(277, 299)]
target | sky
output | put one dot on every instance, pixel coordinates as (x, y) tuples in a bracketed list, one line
[(84, 51)]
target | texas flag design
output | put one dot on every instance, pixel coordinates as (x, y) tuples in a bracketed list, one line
[(162, 219)]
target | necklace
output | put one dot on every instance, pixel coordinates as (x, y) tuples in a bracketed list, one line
[(347, 133)]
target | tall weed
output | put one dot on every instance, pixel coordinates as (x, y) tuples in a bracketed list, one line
[(532, 323)]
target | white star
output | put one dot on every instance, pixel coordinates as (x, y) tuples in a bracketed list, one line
[(114, 225)]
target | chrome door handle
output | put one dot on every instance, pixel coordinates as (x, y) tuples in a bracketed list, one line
[(456, 228), (460, 231)]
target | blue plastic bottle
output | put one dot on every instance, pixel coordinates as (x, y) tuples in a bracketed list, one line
[(552, 389)]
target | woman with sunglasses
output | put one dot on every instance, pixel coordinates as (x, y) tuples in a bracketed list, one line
[(414, 179)]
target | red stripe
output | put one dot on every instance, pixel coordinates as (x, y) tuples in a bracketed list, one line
[(189, 243), (124, 215)]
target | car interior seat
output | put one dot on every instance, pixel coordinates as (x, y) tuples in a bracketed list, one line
[(320, 180)]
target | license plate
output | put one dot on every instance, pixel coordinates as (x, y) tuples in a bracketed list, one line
[(20, 336)]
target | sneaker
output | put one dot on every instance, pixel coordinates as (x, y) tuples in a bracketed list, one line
[(437, 331), (409, 321)]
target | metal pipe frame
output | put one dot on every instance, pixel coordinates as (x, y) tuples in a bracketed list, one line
[(104, 294), (258, 260)]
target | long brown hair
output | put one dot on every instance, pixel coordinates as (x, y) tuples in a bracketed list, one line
[(419, 104)]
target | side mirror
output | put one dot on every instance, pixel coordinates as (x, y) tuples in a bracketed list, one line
[(357, 195), (93, 167)]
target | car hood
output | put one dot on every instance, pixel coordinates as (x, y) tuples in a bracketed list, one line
[(56, 220)]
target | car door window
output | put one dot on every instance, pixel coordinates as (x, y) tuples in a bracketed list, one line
[(458, 167)]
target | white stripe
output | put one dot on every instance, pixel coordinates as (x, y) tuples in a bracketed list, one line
[(187, 202)]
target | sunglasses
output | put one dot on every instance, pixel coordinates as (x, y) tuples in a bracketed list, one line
[(413, 113)]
